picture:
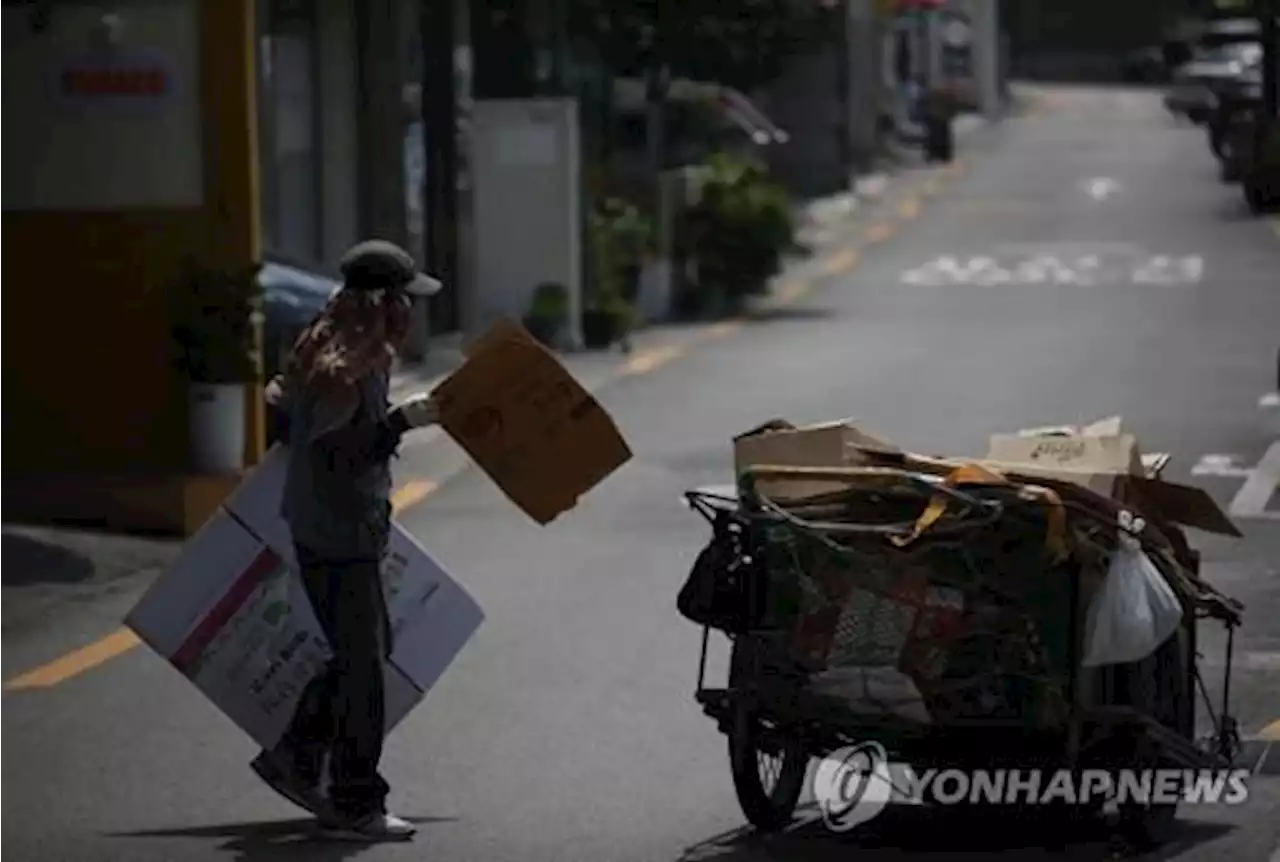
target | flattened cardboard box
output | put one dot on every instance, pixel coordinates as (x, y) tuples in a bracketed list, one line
[(231, 614), (1107, 460), (528, 423), (778, 443)]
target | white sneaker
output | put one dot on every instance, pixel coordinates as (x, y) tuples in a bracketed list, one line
[(375, 827)]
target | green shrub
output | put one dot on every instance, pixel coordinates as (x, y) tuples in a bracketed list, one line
[(632, 231), (609, 261), (214, 318), (740, 228), (548, 313)]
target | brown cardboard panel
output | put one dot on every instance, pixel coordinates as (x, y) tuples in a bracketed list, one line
[(528, 423)]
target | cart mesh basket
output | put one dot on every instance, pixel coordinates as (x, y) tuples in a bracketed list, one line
[(958, 591)]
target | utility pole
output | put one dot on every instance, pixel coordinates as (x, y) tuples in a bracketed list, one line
[(844, 91), (439, 113), (863, 76), (657, 87), (1269, 12), (657, 83)]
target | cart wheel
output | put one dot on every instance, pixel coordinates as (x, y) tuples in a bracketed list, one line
[(768, 768), (1159, 687), (768, 772)]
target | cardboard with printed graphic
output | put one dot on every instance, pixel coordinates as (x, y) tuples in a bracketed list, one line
[(231, 614)]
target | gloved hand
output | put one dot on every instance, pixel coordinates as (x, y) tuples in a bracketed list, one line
[(418, 411)]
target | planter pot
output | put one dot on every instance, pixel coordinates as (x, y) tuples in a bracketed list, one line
[(630, 282), (599, 329), (654, 303), (548, 332), (939, 141), (216, 416)]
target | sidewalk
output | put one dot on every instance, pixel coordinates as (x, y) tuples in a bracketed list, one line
[(820, 224), (47, 566)]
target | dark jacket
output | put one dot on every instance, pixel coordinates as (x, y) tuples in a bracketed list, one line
[(337, 494)]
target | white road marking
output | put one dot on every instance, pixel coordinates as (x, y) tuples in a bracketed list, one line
[(1252, 498), (1221, 465), (1163, 269), (1076, 267), (1100, 188)]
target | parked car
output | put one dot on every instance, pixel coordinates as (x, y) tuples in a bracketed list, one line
[(701, 118), (1238, 102), (1196, 86), (1144, 65), (292, 296), (1221, 32)]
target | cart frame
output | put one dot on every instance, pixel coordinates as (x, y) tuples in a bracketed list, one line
[(750, 713)]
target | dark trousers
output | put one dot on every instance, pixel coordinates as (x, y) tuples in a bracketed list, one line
[(342, 712)]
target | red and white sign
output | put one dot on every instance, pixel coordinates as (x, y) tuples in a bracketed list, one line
[(89, 82), (114, 79)]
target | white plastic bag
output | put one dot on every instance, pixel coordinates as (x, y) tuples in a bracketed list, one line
[(1135, 610)]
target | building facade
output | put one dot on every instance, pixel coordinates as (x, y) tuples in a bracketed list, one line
[(157, 132)]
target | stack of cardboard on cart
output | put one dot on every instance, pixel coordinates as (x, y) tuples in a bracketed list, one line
[(232, 617), (1099, 461), (1098, 468)]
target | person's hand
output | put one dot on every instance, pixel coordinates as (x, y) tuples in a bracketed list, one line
[(419, 411), (276, 393)]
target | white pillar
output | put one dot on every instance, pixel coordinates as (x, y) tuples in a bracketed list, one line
[(986, 48)]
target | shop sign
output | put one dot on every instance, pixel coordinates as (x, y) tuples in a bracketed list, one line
[(114, 80)]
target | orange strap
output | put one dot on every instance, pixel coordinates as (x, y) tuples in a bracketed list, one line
[(972, 474)]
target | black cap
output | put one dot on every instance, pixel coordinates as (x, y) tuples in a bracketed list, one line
[(377, 264)]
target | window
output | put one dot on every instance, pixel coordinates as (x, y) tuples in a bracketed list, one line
[(289, 145)]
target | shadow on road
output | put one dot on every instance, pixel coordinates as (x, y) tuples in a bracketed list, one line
[(29, 561), (1234, 209), (272, 840), (772, 315), (906, 834)]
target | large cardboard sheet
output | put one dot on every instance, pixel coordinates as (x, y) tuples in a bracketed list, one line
[(232, 616)]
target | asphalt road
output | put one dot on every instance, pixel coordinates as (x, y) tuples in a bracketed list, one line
[(566, 731)]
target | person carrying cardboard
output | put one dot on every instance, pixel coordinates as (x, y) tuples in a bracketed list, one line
[(341, 434)]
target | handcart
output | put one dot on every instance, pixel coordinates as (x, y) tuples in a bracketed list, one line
[(969, 588)]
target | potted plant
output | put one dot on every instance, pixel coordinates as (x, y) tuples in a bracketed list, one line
[(607, 317), (215, 320), (939, 108), (740, 229), (632, 236), (548, 314)]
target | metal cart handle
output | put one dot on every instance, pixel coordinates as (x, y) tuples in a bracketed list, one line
[(929, 486)]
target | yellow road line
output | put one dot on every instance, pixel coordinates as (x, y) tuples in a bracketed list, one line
[(931, 186), (1271, 731), (1275, 225), (75, 663), (123, 640), (909, 209), (842, 262), (725, 327), (880, 232), (411, 493), (651, 359), (790, 292)]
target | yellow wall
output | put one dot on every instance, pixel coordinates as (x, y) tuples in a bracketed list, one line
[(92, 396)]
